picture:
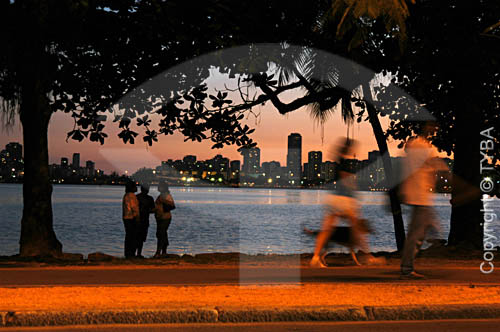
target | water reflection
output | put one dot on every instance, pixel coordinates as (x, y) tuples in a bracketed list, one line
[(293, 196), (88, 219)]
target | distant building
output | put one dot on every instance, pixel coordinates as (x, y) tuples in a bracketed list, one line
[(76, 161), (376, 168), (272, 171), (11, 162), (189, 162), (251, 161), (219, 166), (64, 162), (364, 175), (235, 167), (90, 168), (328, 171), (315, 159), (294, 159), (15, 151), (166, 168), (4, 158)]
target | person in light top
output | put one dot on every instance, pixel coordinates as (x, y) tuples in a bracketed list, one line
[(130, 209), (163, 205), (421, 165), (342, 203)]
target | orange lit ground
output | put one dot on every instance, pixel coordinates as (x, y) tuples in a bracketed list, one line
[(308, 295), (175, 284)]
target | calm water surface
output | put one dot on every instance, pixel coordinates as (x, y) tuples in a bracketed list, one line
[(88, 219)]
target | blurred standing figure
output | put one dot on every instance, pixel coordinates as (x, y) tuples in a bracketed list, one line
[(163, 205), (130, 218), (421, 165), (146, 206), (341, 203)]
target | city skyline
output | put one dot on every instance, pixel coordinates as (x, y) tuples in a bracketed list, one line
[(271, 135), (250, 162)]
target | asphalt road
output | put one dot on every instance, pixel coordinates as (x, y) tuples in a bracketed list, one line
[(168, 276), (403, 326)]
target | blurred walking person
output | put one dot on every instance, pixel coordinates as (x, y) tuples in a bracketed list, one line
[(421, 165), (341, 203), (146, 207), (130, 218), (163, 205)]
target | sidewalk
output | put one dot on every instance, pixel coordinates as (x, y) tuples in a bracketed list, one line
[(36, 296)]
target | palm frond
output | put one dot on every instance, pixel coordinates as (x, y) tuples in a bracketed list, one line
[(347, 111), (9, 108)]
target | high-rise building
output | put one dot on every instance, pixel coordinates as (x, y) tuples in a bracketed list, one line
[(376, 167), (76, 161), (328, 171), (251, 161), (271, 169), (220, 166), (90, 168), (189, 162), (315, 159), (11, 161), (64, 162), (235, 166), (294, 158)]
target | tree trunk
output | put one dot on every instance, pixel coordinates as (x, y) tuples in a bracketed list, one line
[(399, 228), (466, 224), (37, 234)]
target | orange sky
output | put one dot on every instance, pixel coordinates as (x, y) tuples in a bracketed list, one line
[(271, 134)]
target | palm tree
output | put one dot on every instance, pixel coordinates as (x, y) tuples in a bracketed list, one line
[(317, 75)]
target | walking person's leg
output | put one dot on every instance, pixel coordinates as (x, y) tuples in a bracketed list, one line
[(351, 213), (329, 222), (414, 240), (359, 235)]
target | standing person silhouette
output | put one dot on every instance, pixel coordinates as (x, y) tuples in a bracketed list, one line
[(146, 207), (130, 207), (421, 164), (163, 205), (341, 203)]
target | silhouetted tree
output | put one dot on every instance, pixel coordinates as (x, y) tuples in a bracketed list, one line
[(365, 31), (81, 57), (451, 65)]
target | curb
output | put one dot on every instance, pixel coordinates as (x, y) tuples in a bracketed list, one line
[(57, 318), (222, 315)]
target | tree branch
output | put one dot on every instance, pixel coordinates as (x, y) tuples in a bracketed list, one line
[(269, 95), (491, 27), (316, 97), (489, 35)]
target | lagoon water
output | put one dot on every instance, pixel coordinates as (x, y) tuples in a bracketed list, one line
[(209, 219)]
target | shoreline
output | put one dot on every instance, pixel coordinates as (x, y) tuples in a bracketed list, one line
[(439, 255), (217, 186)]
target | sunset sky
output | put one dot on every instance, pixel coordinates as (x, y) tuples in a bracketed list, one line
[(271, 131), (271, 134)]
